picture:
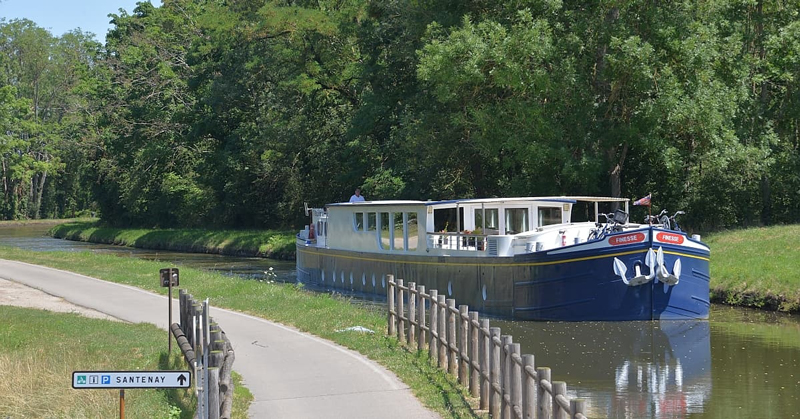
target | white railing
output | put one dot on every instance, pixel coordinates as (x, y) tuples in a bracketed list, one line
[(457, 241)]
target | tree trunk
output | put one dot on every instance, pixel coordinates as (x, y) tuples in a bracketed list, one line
[(37, 190), (615, 174)]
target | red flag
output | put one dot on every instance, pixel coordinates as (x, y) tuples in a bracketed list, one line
[(643, 201)]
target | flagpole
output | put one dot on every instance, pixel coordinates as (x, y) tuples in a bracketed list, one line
[(650, 209)]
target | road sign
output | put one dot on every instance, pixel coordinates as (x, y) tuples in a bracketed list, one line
[(131, 379), (169, 277)]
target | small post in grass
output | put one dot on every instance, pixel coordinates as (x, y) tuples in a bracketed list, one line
[(169, 278)]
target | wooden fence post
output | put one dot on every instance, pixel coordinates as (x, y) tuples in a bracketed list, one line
[(474, 355), (559, 389), (226, 380), (197, 312), (577, 406), (505, 366), (452, 343), (212, 387), (401, 315), (390, 299), (516, 381), (413, 326), (542, 399), (495, 392), (486, 368), (443, 351), (433, 325), (463, 345), (529, 387), (421, 318), (182, 308)]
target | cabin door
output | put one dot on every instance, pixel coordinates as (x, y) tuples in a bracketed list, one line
[(322, 230)]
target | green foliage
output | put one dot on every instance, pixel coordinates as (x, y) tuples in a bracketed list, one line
[(46, 119), (203, 113), (277, 244)]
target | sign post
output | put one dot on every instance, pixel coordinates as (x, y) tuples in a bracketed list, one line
[(130, 379), (169, 278)]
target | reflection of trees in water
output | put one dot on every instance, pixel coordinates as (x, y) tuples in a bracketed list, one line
[(625, 369)]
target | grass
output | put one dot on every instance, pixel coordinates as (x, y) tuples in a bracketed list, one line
[(320, 314), (750, 268), (756, 267), (271, 243), (47, 222), (39, 350)]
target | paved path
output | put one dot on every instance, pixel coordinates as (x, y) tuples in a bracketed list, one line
[(291, 374)]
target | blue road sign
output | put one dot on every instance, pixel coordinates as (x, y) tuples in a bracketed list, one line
[(131, 379)]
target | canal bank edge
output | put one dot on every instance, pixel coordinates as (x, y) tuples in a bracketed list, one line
[(277, 244), (273, 244)]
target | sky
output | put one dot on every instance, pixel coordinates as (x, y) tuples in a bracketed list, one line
[(61, 16)]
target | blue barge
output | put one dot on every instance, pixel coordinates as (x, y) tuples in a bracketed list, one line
[(523, 258)]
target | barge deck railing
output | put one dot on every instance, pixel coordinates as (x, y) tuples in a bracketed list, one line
[(507, 383)]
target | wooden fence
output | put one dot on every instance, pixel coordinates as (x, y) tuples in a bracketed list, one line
[(207, 349), (507, 382)]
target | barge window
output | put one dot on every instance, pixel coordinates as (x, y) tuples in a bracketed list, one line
[(385, 227), (371, 221), (413, 231), (358, 221), (492, 219), (516, 220), (446, 219), (549, 216), (398, 231)]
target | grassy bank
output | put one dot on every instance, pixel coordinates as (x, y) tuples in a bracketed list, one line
[(39, 350), (320, 314), (749, 267), (755, 267), (273, 244)]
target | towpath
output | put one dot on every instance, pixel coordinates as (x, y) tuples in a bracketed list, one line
[(291, 374)]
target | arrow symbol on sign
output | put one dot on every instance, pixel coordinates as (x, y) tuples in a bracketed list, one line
[(181, 379)]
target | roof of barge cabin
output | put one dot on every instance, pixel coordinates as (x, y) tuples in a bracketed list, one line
[(559, 199)]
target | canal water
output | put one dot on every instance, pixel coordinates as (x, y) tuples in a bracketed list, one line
[(741, 363)]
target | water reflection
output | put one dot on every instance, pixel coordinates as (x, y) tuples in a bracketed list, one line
[(624, 369)]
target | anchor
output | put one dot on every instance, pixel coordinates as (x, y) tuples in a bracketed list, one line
[(651, 260), (620, 269), (663, 275)]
